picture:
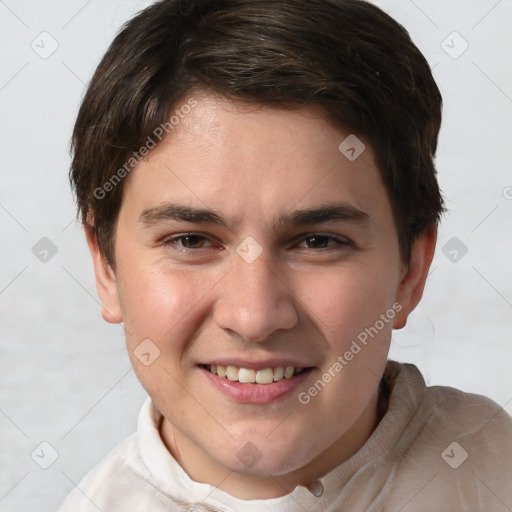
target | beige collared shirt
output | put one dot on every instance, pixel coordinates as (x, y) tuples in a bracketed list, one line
[(436, 449)]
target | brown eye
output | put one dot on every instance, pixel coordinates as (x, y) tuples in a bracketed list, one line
[(317, 242), (192, 241), (321, 241), (187, 241)]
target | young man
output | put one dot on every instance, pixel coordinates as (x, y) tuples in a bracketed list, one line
[(257, 187)]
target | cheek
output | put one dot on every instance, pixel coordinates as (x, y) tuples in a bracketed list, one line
[(161, 304), (346, 300), (165, 307)]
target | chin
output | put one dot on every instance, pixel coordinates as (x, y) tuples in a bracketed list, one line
[(259, 457), (264, 467)]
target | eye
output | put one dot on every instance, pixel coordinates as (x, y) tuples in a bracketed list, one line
[(321, 241), (188, 241)]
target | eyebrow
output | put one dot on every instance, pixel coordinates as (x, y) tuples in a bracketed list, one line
[(171, 211), (317, 215), (323, 214)]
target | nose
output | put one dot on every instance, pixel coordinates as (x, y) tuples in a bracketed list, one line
[(254, 302)]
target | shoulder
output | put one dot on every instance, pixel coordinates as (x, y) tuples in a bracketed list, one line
[(477, 423), (446, 409), (109, 482), (470, 416), (460, 454)]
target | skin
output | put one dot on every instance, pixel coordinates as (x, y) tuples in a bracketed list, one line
[(303, 297)]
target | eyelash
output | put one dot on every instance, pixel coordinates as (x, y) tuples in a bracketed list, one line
[(341, 242)]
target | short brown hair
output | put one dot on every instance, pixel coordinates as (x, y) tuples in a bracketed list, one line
[(346, 57)]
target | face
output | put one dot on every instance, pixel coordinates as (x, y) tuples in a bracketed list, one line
[(247, 239)]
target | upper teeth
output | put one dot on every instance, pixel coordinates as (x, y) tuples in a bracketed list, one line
[(247, 375)]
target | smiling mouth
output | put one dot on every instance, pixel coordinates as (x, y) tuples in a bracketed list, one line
[(250, 376)]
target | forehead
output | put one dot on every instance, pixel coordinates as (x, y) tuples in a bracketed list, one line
[(253, 161)]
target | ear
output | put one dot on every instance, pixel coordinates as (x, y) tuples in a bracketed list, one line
[(412, 285), (106, 283)]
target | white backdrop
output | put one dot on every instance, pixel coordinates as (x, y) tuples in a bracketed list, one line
[(65, 379)]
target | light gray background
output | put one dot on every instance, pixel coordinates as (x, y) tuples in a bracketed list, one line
[(64, 375)]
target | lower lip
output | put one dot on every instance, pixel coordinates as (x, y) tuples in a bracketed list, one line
[(256, 393)]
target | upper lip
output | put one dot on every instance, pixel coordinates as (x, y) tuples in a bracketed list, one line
[(257, 365)]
